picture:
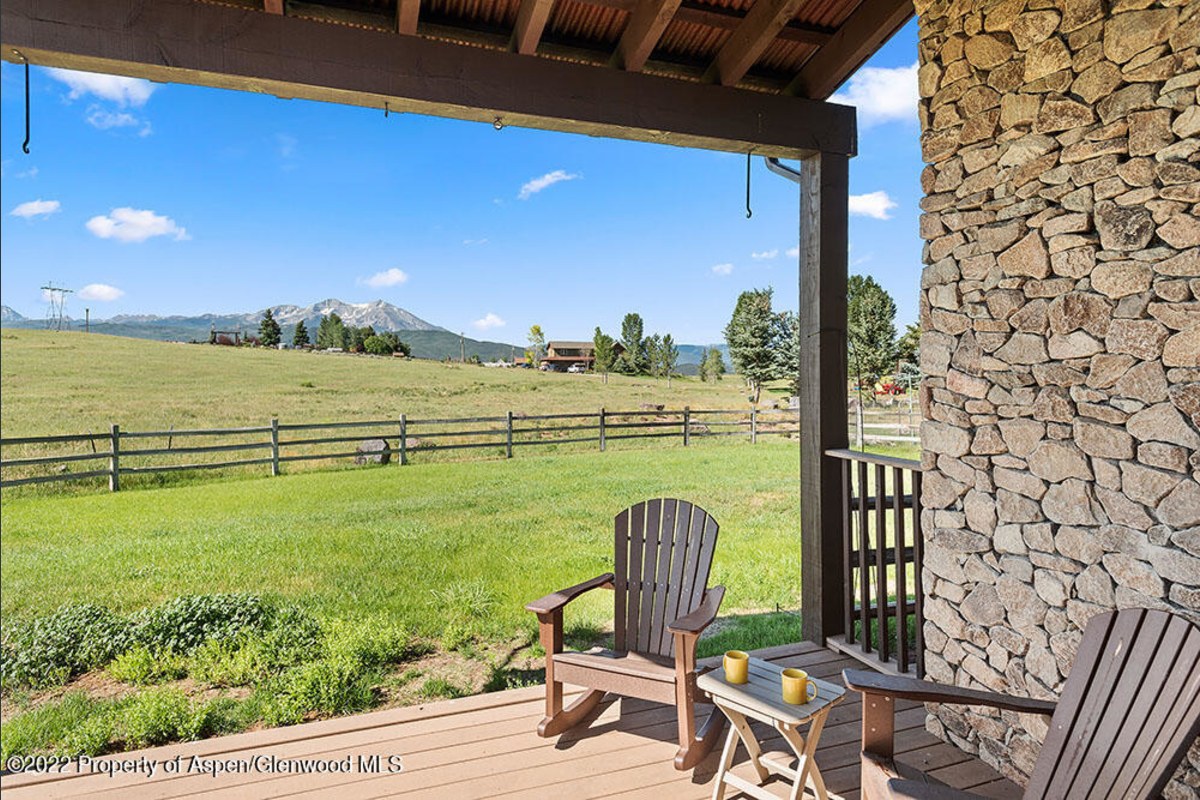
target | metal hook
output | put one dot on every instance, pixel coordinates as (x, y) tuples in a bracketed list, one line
[(749, 213), (25, 144), (385, 109)]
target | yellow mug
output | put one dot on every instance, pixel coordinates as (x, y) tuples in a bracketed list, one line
[(737, 666), (796, 687)]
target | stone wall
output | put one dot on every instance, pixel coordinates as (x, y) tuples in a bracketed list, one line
[(1061, 339)]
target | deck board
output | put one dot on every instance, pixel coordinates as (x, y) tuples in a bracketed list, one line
[(486, 746)]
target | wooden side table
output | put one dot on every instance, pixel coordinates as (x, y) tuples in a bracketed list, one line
[(761, 698)]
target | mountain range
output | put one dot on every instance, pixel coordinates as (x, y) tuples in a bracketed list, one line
[(426, 339)]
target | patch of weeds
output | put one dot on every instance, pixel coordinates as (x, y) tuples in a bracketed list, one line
[(158, 716), (371, 642), (466, 604), (750, 632), (502, 678), (71, 725), (581, 636), (307, 385), (139, 666), (435, 688), (50, 650), (184, 623), (327, 687)]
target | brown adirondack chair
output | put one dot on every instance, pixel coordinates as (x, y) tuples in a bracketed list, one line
[(664, 550), (1128, 713)]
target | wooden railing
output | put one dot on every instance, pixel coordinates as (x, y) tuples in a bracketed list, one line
[(118, 452), (881, 541)]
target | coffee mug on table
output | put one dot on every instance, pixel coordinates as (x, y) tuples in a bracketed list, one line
[(796, 685), (737, 666)]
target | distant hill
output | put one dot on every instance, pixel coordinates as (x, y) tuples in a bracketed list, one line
[(426, 339)]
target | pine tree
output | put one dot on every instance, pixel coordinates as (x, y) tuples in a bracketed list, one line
[(654, 356), (787, 348), (603, 353), (668, 356), (300, 337), (268, 330), (633, 361), (332, 333), (750, 335), (712, 367)]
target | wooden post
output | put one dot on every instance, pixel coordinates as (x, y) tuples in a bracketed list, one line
[(687, 425), (114, 460), (753, 425), (403, 440), (508, 441), (823, 268), (274, 447), (603, 414)]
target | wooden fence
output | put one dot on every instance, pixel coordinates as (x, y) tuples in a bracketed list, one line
[(881, 546), (117, 453)]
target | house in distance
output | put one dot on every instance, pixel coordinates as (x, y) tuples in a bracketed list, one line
[(562, 355)]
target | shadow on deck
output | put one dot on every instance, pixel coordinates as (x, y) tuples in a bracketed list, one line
[(485, 746)]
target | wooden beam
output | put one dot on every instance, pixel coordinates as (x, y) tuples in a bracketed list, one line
[(205, 44), (646, 25), (407, 14), (862, 34), (824, 197), (531, 21), (273, 6), (726, 19), (765, 19)]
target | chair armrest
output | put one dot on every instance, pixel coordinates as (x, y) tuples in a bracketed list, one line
[(702, 615), (927, 692), (553, 602)]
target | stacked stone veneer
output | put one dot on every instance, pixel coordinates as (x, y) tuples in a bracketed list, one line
[(1061, 340)]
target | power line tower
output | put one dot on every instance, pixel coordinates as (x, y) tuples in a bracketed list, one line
[(56, 312)]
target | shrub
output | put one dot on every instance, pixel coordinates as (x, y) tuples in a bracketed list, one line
[(370, 643), (327, 687), (140, 666), (52, 649)]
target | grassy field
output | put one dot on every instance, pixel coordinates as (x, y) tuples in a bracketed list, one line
[(72, 382)]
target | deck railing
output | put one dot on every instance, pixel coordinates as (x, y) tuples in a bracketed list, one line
[(881, 541)]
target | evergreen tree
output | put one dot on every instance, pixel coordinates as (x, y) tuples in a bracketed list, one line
[(750, 335), (654, 356), (668, 355), (268, 330), (787, 348), (712, 365), (908, 346), (300, 337), (332, 333), (603, 352), (871, 329), (358, 337), (633, 360)]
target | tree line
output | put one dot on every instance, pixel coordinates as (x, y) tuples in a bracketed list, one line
[(333, 333)]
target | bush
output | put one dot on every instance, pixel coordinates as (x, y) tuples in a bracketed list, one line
[(142, 667), (51, 650), (370, 643), (327, 687)]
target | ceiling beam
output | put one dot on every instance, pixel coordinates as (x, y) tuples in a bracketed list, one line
[(864, 31), (531, 21), (273, 6), (203, 44), (407, 14), (646, 25), (727, 19), (755, 33)]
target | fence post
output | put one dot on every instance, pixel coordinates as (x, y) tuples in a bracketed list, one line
[(603, 414), (274, 447), (508, 440), (403, 439), (114, 460), (754, 425), (687, 425)]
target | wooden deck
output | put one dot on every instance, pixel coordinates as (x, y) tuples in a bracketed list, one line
[(485, 746)]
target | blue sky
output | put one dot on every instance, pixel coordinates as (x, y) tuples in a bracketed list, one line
[(172, 199)]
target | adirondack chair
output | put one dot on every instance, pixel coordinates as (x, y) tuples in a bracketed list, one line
[(1128, 713), (664, 550)]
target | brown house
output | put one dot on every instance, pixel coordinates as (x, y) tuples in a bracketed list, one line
[(560, 355)]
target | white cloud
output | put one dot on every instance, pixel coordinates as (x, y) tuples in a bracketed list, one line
[(536, 185), (873, 204), (722, 269), (122, 91), (765, 255), (793, 252), (100, 291), (389, 277), (882, 95), (102, 119), (474, 242), (489, 320), (287, 145), (36, 208), (135, 225)]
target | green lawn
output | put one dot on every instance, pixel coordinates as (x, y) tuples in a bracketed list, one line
[(407, 542)]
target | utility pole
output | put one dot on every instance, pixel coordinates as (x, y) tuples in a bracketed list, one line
[(87, 320), (57, 296), (462, 348)]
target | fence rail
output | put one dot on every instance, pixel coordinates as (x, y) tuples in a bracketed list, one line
[(881, 545), (25, 460)]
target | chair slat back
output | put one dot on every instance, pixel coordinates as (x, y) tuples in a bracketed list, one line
[(664, 551), (1130, 708)]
